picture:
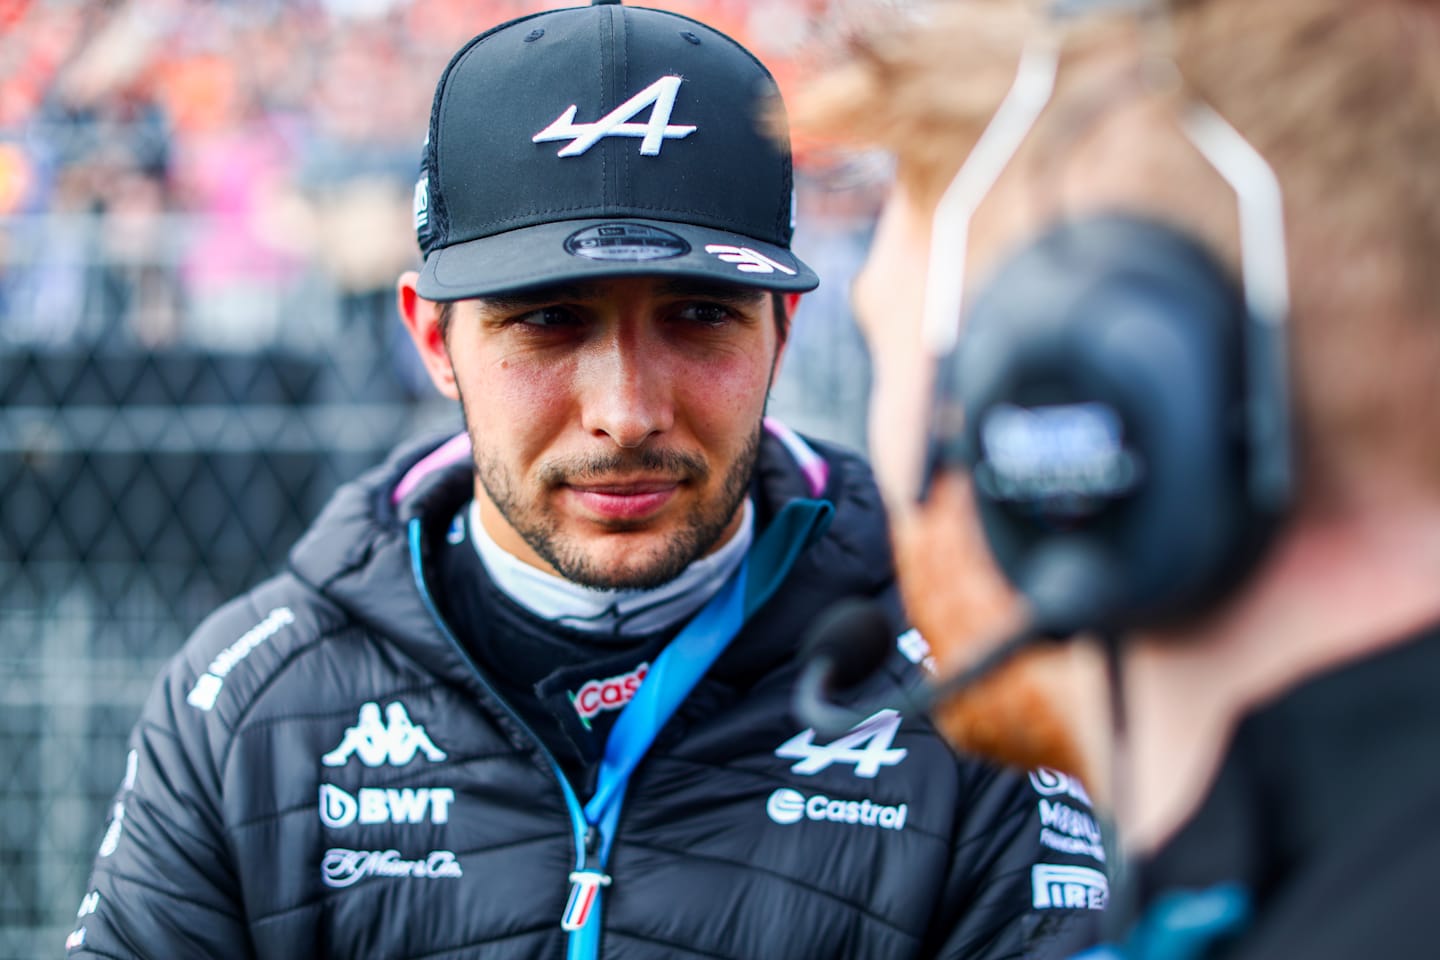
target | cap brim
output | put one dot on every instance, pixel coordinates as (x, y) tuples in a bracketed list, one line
[(576, 250)]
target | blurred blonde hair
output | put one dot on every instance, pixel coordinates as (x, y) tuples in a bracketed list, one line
[(1343, 99)]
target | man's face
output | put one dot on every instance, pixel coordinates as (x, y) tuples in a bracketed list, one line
[(615, 424)]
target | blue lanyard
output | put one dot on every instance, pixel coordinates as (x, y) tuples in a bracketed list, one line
[(669, 681)]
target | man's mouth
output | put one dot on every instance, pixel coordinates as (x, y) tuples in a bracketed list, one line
[(624, 499)]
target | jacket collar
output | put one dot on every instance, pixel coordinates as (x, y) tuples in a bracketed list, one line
[(357, 555)]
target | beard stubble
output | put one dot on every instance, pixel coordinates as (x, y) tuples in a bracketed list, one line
[(528, 515)]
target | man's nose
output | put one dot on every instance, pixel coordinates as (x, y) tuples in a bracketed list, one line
[(626, 390)]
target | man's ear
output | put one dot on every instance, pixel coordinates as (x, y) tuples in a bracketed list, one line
[(422, 320), (792, 303)]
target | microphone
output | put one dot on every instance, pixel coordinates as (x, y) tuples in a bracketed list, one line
[(847, 646)]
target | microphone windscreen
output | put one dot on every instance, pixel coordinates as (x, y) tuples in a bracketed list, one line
[(854, 635)]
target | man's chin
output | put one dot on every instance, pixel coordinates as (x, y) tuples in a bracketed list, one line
[(623, 562)]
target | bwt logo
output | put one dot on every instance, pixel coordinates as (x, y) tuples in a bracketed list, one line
[(787, 806), (390, 805)]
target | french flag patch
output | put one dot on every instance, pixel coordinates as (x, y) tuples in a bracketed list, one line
[(584, 891)]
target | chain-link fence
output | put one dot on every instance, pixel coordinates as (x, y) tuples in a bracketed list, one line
[(143, 485)]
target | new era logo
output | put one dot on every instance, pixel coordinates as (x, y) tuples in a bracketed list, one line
[(659, 97)]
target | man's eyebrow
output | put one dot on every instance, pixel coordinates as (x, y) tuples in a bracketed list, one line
[(539, 296)]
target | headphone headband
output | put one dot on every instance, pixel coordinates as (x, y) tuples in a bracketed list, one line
[(1054, 385)]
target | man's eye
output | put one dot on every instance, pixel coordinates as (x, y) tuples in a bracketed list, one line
[(547, 317), (707, 314)]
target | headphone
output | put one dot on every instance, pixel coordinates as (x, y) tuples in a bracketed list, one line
[(1121, 402)]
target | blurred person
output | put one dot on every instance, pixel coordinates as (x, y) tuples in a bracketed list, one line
[(527, 691), (1278, 799), (356, 179)]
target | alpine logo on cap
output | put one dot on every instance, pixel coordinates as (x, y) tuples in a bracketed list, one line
[(659, 97)]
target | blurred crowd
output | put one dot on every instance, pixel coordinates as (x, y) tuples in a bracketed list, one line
[(231, 173)]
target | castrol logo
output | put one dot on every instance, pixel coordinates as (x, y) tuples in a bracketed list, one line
[(610, 693)]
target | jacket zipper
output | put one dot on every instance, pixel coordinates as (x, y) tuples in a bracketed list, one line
[(791, 530), (585, 835)]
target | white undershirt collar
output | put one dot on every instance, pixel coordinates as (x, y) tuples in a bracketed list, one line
[(626, 612)]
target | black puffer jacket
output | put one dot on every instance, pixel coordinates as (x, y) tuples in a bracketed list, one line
[(322, 772)]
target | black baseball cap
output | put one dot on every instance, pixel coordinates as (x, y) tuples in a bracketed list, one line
[(603, 141)]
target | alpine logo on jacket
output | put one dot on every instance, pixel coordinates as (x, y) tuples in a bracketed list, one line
[(866, 746), (395, 740)]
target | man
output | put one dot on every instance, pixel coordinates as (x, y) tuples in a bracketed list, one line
[(527, 692), (1280, 801)]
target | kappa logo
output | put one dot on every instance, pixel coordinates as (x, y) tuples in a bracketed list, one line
[(747, 260), (659, 97), (866, 745), (394, 741), (339, 809)]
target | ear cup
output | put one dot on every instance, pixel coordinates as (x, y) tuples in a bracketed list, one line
[(1101, 391)]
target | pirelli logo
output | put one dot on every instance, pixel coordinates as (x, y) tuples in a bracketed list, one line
[(1060, 887)]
